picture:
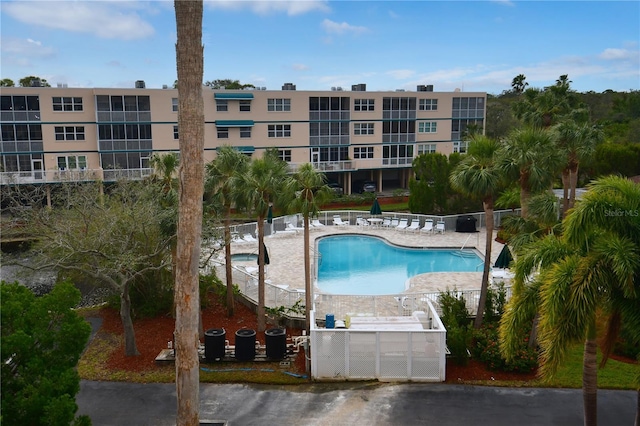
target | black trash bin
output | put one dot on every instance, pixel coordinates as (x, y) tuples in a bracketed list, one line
[(245, 344), (214, 344), (276, 341), (466, 223)]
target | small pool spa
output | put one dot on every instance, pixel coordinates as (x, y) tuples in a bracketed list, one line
[(244, 257), (367, 265)]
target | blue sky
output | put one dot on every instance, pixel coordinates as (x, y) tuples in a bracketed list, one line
[(471, 45)]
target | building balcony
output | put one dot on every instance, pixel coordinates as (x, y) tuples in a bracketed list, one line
[(35, 177)]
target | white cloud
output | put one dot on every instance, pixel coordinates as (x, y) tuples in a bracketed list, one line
[(300, 67), (291, 8), (332, 27), (613, 54), (401, 74), (26, 48), (114, 20)]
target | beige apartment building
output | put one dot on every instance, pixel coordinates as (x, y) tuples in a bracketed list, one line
[(54, 134)]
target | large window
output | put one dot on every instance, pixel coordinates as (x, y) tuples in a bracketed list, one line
[(245, 106), (72, 162), (278, 104), (460, 146), (174, 104), (285, 155), (363, 128), (223, 132), (426, 148), (123, 108), (427, 127), (397, 154), (279, 130), (67, 104), (362, 152), (364, 104), (428, 104), (69, 133), (324, 154), (20, 108), (245, 132), (222, 105)]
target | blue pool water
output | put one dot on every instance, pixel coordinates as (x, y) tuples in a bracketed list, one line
[(244, 257), (364, 265)]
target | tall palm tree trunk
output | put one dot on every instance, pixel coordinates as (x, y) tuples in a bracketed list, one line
[(190, 65), (566, 189), (227, 257), (590, 377), (262, 324), (488, 213)]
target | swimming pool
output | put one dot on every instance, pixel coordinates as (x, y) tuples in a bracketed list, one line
[(244, 257), (366, 265)]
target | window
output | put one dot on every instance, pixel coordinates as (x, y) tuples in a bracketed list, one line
[(174, 104), (223, 132), (362, 152), (427, 127), (245, 132), (460, 146), (397, 154), (363, 104), (426, 148), (245, 106), (363, 128), (175, 132), (285, 155), (279, 130), (67, 104), (278, 104), (222, 105), (69, 133), (72, 162), (428, 104)]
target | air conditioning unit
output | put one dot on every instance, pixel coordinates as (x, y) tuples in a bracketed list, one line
[(421, 88), (140, 84), (339, 89), (289, 86), (164, 86), (333, 89), (359, 87), (429, 87)]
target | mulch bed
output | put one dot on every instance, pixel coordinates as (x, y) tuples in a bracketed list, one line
[(153, 334)]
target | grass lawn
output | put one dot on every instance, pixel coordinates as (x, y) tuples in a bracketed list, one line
[(615, 374)]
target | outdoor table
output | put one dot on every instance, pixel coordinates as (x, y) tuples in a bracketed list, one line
[(375, 221)]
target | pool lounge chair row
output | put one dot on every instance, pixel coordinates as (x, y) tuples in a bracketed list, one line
[(414, 226)]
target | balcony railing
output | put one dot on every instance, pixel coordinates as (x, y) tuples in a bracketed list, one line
[(76, 175)]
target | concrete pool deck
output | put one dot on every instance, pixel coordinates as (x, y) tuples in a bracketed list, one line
[(287, 261)]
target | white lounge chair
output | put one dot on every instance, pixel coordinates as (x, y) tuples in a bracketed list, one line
[(237, 239), (415, 225), (290, 227), (394, 222), (316, 223), (249, 238), (360, 221), (440, 227), (404, 223), (337, 220), (386, 222), (428, 226)]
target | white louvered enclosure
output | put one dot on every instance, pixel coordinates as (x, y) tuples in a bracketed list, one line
[(402, 348)]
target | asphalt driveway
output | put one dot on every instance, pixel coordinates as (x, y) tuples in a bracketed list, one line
[(352, 404)]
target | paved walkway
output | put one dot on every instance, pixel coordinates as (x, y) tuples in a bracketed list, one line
[(352, 404)]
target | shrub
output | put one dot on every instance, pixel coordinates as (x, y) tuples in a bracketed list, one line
[(455, 318), (494, 305), (486, 349)]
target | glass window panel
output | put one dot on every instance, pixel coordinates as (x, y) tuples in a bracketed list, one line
[(19, 103), (103, 103), (144, 103), (6, 103)]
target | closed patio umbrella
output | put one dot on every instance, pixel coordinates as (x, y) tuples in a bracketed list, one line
[(375, 208), (504, 258), (266, 254)]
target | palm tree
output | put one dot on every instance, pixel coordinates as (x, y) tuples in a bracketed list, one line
[(579, 142), (593, 269), (310, 194), (190, 66), (529, 156), (478, 176), (519, 84), (265, 182), (229, 163)]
